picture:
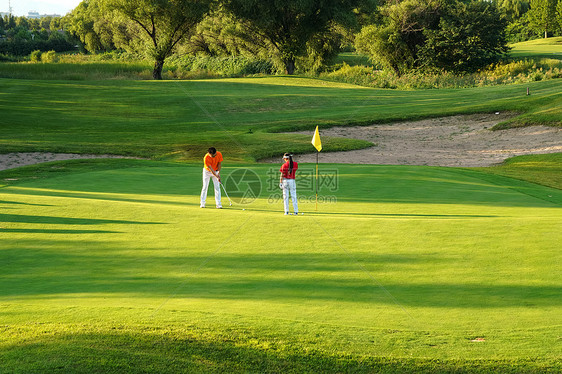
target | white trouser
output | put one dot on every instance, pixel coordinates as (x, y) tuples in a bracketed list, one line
[(290, 187), (206, 176)]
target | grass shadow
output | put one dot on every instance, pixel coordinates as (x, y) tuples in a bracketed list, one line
[(288, 277), (52, 231), (143, 349), (21, 218)]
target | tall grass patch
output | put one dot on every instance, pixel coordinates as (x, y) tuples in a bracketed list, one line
[(114, 65), (75, 71), (189, 67), (510, 72)]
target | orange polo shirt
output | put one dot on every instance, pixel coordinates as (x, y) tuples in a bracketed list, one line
[(213, 162)]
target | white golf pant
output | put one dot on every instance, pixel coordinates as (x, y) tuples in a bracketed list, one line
[(290, 188), (206, 176)]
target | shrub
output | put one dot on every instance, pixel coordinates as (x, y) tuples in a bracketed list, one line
[(8, 58), (189, 66), (501, 73), (50, 57), (35, 56), (359, 75)]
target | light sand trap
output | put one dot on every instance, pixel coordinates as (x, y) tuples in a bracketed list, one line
[(463, 141), (14, 160)]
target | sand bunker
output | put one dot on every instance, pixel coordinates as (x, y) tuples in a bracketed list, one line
[(463, 141), (14, 160)]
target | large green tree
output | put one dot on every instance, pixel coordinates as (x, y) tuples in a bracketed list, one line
[(470, 36), (542, 16), (291, 26), (86, 23), (162, 24), (220, 33), (447, 35), (512, 9), (394, 42), (559, 15)]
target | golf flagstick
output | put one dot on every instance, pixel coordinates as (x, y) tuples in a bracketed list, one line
[(317, 153), (318, 145)]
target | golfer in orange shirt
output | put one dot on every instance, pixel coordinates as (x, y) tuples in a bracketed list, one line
[(211, 169)]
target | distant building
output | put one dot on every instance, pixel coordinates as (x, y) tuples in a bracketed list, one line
[(35, 15)]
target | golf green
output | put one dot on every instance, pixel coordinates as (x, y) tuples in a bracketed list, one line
[(400, 262)]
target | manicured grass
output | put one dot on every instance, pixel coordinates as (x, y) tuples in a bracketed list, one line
[(181, 119), (538, 48), (542, 169), (402, 268)]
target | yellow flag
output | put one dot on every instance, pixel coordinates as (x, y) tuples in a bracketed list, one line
[(316, 140)]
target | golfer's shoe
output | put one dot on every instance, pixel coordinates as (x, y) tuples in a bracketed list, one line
[(286, 213), (201, 206), (219, 206)]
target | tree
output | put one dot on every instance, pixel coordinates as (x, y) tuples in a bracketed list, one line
[(221, 34), (10, 22), (23, 22), (453, 35), (395, 43), (162, 23), (542, 16), (384, 46), (559, 14), (81, 23), (470, 36), (512, 9), (290, 25)]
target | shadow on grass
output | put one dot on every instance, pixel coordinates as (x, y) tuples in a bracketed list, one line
[(291, 277), (20, 203), (52, 231), (20, 218), (444, 216), (94, 196), (145, 350)]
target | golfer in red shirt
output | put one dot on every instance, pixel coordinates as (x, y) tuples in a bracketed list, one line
[(288, 184), (212, 163)]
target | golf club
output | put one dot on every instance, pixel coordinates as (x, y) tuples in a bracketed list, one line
[(224, 189)]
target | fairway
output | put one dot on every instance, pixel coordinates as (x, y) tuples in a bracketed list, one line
[(539, 48), (178, 119), (400, 266)]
